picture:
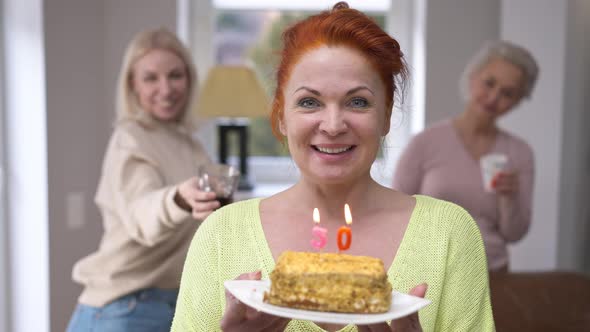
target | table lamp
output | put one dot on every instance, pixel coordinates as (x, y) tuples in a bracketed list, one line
[(233, 94)]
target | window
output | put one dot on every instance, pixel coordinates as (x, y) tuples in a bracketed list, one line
[(250, 37), (248, 32)]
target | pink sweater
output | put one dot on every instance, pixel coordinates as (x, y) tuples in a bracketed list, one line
[(435, 163)]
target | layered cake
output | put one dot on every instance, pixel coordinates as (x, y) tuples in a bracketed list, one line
[(329, 282)]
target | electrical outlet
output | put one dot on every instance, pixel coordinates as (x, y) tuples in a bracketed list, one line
[(75, 214)]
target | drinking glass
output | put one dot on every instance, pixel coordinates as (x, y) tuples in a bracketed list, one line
[(219, 178)]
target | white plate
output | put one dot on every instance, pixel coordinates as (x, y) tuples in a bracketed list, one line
[(250, 292)]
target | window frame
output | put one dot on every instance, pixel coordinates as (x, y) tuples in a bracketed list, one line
[(4, 300)]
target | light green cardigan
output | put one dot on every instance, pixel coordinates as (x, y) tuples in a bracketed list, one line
[(442, 246)]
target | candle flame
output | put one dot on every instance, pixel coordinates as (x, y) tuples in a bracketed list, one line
[(316, 215), (347, 214)]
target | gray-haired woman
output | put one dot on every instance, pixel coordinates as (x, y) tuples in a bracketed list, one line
[(444, 160)]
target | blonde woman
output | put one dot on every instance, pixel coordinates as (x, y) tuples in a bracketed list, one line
[(147, 194)]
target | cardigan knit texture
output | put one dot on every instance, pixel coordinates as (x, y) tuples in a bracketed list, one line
[(442, 246)]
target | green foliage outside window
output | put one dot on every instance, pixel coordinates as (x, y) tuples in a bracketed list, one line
[(264, 56)]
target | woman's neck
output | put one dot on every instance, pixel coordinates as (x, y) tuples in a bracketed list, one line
[(330, 199), (470, 125)]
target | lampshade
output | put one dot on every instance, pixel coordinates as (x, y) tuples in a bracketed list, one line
[(232, 91)]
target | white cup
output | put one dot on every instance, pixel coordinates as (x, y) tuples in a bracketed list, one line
[(492, 164)]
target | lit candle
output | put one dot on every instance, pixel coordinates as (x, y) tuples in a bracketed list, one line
[(319, 233), (345, 231)]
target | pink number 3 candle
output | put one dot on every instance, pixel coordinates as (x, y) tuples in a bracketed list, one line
[(320, 234)]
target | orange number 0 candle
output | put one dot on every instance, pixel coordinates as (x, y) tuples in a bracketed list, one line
[(345, 231)]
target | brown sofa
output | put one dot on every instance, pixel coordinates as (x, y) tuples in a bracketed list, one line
[(543, 301)]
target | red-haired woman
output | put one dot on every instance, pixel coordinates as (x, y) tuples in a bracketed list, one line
[(335, 90)]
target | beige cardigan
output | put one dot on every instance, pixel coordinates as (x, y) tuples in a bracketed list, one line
[(146, 235)]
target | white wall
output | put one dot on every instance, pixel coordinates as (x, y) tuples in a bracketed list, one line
[(540, 121)]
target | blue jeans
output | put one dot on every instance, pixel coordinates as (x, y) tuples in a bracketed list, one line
[(148, 310)]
